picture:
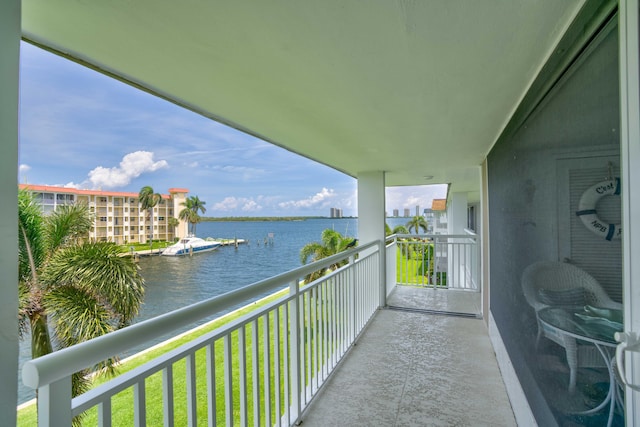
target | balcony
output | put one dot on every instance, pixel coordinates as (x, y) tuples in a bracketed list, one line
[(414, 368), (270, 364)]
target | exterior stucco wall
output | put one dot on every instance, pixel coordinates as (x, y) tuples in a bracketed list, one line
[(9, 65)]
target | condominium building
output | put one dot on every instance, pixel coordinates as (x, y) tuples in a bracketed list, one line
[(118, 216), (335, 213)]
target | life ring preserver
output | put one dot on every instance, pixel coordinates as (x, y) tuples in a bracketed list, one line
[(587, 209)]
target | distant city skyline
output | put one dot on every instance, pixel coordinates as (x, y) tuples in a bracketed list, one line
[(81, 129)]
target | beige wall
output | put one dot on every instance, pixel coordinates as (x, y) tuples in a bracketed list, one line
[(182, 229)]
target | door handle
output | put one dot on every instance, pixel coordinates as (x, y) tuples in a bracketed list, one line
[(628, 341)]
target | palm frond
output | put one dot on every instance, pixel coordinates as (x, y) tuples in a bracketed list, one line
[(31, 245), (97, 269), (67, 224), (76, 315)]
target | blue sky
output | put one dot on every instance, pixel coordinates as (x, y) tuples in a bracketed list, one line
[(80, 128)]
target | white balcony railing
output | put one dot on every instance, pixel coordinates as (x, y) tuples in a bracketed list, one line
[(263, 368), (433, 260)]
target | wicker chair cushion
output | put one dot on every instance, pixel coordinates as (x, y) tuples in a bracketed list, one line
[(567, 297)]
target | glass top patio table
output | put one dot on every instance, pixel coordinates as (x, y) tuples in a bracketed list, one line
[(596, 326), (584, 323)]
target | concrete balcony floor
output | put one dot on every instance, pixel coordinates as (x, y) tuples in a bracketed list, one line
[(412, 368)]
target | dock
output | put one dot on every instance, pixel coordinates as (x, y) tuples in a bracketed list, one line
[(157, 251), (231, 242)]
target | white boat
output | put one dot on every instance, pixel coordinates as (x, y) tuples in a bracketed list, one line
[(190, 245)]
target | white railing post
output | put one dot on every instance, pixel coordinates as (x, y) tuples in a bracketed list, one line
[(192, 406), (294, 327), (54, 403), (228, 381), (382, 269), (391, 254), (352, 291), (436, 259)]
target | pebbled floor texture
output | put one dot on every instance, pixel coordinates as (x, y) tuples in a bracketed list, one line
[(414, 369)]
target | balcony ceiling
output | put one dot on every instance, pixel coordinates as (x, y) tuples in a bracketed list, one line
[(409, 87)]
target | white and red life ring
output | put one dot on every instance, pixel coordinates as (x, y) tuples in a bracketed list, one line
[(587, 209)]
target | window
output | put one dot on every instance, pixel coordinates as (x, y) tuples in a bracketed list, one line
[(471, 218), (160, 218), (103, 219)]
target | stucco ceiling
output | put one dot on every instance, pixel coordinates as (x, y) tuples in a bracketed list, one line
[(412, 88)]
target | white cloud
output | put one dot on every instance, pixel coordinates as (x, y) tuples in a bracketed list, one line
[(234, 203), (409, 197), (73, 185), (132, 166), (317, 200), (251, 206), (24, 168)]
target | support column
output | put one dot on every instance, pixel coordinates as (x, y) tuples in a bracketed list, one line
[(457, 213), (9, 71), (484, 252), (371, 219)]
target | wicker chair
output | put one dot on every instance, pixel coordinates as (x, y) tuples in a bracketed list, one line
[(545, 277)]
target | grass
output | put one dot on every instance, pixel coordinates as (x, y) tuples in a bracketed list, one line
[(157, 244), (122, 408), (412, 270)]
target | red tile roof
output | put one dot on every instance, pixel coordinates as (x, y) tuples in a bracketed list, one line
[(439, 205), (69, 190)]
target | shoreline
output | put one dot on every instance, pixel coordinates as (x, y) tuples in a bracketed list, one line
[(168, 341)]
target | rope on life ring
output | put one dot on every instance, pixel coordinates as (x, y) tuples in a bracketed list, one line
[(587, 209)]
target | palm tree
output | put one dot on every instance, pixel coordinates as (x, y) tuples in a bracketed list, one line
[(416, 223), (192, 205), (186, 214), (71, 290), (173, 223), (398, 229), (148, 200), (332, 243)]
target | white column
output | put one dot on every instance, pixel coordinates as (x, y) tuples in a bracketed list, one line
[(484, 240), (630, 168), (457, 213), (371, 201), (9, 69), (371, 219)]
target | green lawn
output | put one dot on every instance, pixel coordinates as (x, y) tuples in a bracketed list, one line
[(157, 244), (122, 408), (121, 404), (412, 269)]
